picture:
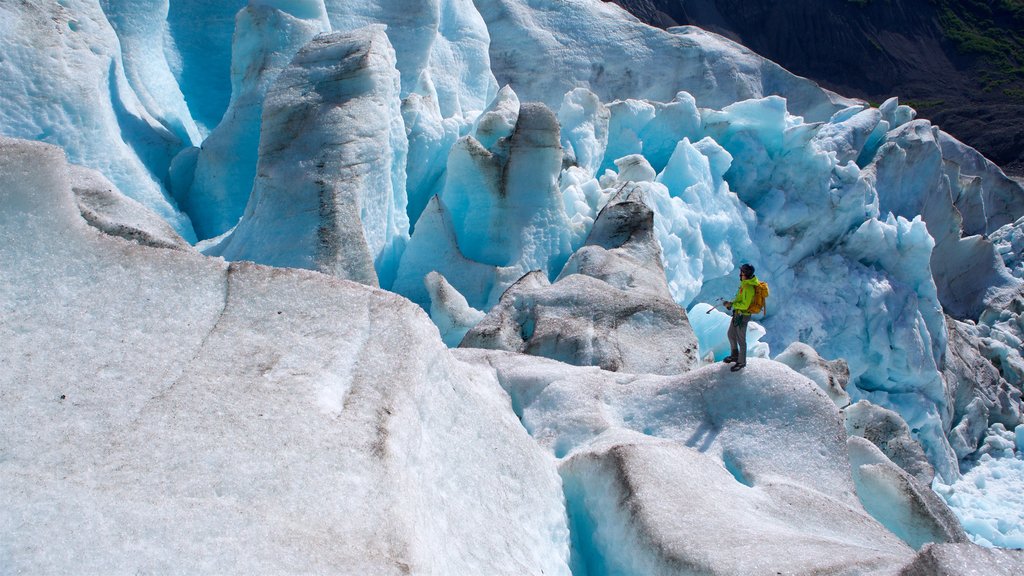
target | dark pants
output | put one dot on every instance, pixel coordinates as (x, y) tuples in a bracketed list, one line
[(738, 337)]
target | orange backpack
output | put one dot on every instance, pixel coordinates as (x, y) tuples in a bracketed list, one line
[(760, 295)]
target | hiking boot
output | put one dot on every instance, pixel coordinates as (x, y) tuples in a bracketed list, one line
[(729, 359), (737, 367)]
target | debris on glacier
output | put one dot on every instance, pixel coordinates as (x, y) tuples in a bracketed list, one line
[(105, 208), (953, 559)]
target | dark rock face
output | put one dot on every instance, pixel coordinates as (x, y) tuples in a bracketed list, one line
[(956, 62)]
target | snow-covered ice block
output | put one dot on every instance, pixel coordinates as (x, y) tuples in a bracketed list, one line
[(330, 189), (449, 310), (167, 412), (267, 35), (106, 209), (886, 430), (832, 376), (902, 503)]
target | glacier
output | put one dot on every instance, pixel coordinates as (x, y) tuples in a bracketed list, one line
[(373, 286)]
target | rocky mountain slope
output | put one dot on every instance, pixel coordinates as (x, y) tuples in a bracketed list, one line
[(959, 63)]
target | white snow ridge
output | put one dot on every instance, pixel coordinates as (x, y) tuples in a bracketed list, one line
[(387, 287)]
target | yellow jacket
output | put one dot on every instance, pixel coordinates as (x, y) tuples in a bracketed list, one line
[(744, 295)]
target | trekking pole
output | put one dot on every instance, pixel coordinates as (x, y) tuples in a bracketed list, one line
[(713, 307)]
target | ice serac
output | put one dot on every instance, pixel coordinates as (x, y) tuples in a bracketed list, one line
[(652, 129), (267, 35), (904, 504), (610, 306), (545, 49), (141, 28), (1002, 199), (501, 214), (832, 376), (502, 189), (982, 395), (156, 401), (441, 48), (433, 248), (759, 458), (449, 310), (585, 125), (443, 41), (890, 433), (62, 81), (330, 185), (105, 208), (912, 178)]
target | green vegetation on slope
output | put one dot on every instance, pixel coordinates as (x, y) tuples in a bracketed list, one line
[(993, 32)]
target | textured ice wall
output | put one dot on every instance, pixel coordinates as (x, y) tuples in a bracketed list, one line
[(330, 194), (63, 81), (168, 412), (544, 49), (267, 36)]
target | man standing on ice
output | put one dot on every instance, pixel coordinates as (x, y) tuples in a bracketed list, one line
[(740, 317)]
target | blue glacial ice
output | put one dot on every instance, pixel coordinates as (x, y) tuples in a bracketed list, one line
[(545, 178)]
